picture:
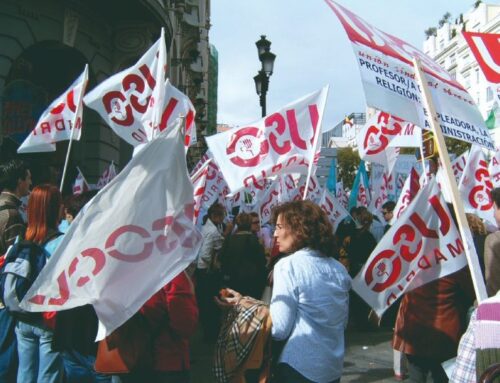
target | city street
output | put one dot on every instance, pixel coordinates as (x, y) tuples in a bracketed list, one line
[(368, 358)]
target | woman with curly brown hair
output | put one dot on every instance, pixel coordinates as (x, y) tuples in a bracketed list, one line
[(310, 299)]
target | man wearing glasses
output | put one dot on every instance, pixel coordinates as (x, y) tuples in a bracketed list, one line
[(388, 213)]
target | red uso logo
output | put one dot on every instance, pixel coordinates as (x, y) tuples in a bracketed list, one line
[(176, 237), (479, 196), (120, 104), (385, 268), (376, 140), (246, 148), (249, 146)]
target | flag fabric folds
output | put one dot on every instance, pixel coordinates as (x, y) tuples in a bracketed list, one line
[(422, 245), (133, 238), (282, 142), (128, 101), (62, 120)]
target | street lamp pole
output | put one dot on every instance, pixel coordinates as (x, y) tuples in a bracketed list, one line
[(266, 58)]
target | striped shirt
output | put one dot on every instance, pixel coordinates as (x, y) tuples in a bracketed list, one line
[(11, 222)]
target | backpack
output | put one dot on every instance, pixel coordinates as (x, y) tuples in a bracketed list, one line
[(23, 262)]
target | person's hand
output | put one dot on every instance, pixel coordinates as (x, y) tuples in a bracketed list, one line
[(228, 230), (227, 298)]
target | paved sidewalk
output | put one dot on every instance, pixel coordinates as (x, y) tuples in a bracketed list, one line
[(368, 358)]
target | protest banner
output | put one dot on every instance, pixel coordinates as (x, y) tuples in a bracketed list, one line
[(129, 100), (388, 78), (80, 185), (333, 209), (106, 177), (475, 186), (199, 181), (463, 226), (174, 105), (136, 232), (494, 169), (275, 195), (314, 190), (282, 142), (61, 121), (486, 50), (408, 192), (421, 246), (382, 188), (375, 137)]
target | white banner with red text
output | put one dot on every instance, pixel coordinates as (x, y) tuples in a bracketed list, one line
[(388, 77), (280, 143), (62, 120), (133, 238), (129, 101), (335, 211), (475, 186), (421, 246)]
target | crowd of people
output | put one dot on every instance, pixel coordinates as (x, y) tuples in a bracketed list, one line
[(295, 269)]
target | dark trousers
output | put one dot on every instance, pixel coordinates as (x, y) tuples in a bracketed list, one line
[(419, 368), (8, 348), (207, 287), (287, 374), (153, 376)]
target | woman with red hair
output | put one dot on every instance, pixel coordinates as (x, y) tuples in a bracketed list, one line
[(37, 361)]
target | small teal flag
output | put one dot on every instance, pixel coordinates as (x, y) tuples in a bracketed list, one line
[(361, 178), (331, 182)]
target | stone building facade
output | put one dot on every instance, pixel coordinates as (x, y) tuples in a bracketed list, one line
[(45, 45)]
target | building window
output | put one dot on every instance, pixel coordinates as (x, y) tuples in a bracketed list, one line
[(477, 75), (441, 44), (453, 59), (489, 94)]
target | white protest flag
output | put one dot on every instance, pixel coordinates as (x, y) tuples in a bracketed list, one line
[(204, 158), (388, 77), (174, 105), (494, 169), (333, 208), (62, 120), (106, 177), (133, 238), (314, 190), (421, 246), (475, 186), (128, 101), (341, 194), (375, 137), (199, 181), (80, 185), (486, 50), (282, 142), (382, 187), (458, 165), (272, 198), (408, 192), (399, 183), (177, 104)]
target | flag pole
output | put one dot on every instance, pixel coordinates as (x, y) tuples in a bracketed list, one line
[(315, 144), (80, 105), (463, 226)]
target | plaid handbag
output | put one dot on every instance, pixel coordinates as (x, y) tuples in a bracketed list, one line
[(237, 337)]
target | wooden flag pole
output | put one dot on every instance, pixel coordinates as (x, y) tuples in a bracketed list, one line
[(463, 226)]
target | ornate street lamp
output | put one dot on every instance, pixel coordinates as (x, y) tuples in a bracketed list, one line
[(266, 58)]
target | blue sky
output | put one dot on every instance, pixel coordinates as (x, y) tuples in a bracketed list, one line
[(312, 49)]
